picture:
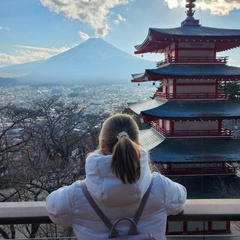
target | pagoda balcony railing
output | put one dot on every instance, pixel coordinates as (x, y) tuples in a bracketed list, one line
[(191, 95), (197, 169), (201, 218), (190, 60), (191, 133)]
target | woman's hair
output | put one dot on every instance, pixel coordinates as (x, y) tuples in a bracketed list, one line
[(120, 135)]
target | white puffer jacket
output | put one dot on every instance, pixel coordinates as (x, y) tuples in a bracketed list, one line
[(68, 205)]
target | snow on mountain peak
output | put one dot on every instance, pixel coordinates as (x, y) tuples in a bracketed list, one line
[(96, 49), (94, 60)]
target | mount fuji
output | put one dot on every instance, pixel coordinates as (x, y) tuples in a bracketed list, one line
[(95, 61)]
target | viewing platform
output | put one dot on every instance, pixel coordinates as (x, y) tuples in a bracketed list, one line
[(211, 214)]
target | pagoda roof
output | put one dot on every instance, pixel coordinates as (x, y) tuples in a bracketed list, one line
[(140, 107), (220, 71), (196, 150), (150, 138), (159, 38), (193, 109), (210, 186)]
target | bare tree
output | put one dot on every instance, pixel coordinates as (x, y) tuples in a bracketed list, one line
[(53, 140)]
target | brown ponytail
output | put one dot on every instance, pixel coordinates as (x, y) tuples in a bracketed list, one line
[(124, 148), (125, 160)]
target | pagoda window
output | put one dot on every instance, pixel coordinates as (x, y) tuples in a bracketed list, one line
[(196, 125), (198, 128), (196, 45), (196, 55), (195, 88), (196, 52), (184, 80)]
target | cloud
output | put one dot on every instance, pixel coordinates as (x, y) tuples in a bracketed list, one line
[(25, 54), (4, 29), (22, 57), (119, 19), (220, 7), (93, 12), (175, 3), (83, 35), (216, 7), (54, 50)]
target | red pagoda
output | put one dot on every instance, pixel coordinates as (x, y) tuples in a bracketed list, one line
[(188, 135), (189, 108)]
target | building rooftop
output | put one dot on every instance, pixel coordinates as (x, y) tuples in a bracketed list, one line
[(189, 71), (194, 109), (196, 150), (149, 138), (159, 38)]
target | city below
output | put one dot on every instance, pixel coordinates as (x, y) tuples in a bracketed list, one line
[(97, 100)]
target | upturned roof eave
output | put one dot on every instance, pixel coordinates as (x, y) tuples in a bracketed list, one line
[(138, 107), (157, 39), (218, 71)]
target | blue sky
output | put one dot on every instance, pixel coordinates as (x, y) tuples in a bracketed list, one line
[(33, 30)]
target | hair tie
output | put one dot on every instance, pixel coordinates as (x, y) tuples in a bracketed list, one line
[(121, 134)]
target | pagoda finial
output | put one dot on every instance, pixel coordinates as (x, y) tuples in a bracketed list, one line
[(190, 5), (190, 19)]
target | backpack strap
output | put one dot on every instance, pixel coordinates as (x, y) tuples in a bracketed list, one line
[(103, 216), (96, 208), (140, 208)]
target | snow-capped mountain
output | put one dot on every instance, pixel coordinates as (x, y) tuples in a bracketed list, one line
[(93, 61)]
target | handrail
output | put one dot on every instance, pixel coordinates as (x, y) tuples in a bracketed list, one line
[(201, 133), (191, 59), (195, 210), (200, 95), (23, 213)]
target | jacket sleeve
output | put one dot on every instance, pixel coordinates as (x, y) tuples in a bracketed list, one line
[(175, 196), (60, 206)]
